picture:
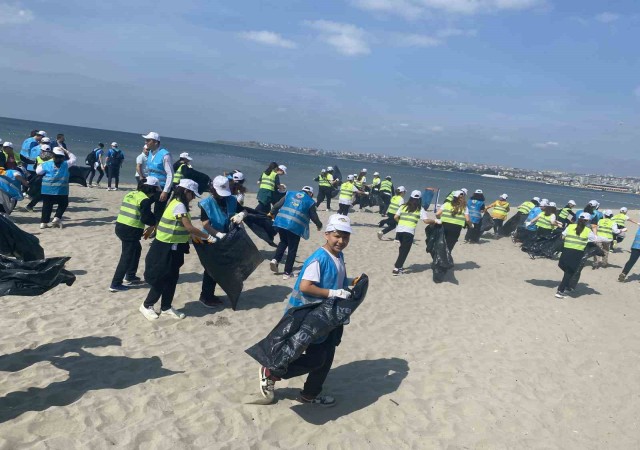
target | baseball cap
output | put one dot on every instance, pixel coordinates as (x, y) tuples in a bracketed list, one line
[(402, 189), (537, 199), (238, 176), (585, 216), (152, 181), (308, 189), (58, 151), (42, 133), (464, 190), (608, 212), (478, 191), (152, 135), (45, 148), (192, 185), (221, 185), (338, 222), (186, 156), (544, 202), (376, 173), (283, 168), (8, 144), (416, 194), (622, 210), (388, 177), (593, 202), (329, 169), (457, 193), (323, 170), (552, 204), (114, 144), (349, 177), (571, 202), (505, 196), (45, 140), (364, 170)]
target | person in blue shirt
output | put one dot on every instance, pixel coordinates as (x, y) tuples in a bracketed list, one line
[(31, 150), (98, 165), (476, 206), (115, 157)]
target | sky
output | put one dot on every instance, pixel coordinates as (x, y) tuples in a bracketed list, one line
[(541, 84)]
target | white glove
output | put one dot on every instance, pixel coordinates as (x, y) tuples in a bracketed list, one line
[(340, 293), (438, 222), (211, 239), (526, 224), (238, 218), (220, 235)]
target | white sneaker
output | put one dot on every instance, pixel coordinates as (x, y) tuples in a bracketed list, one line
[(174, 313), (380, 234), (149, 313), (57, 223), (44, 225), (287, 276), (273, 265)]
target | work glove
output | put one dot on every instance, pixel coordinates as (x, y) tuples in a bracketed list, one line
[(211, 239), (526, 224), (220, 235), (339, 293), (438, 222), (238, 218)]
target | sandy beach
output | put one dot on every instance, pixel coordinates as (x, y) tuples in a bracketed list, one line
[(488, 359)]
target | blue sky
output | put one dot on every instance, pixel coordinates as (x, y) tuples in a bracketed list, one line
[(544, 84)]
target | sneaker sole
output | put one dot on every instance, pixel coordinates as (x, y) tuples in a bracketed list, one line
[(150, 319), (268, 394), (273, 267)]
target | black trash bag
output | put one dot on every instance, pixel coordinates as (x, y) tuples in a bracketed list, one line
[(437, 248), (337, 175), (32, 278), (78, 175), (35, 185), (230, 261), (301, 326), (590, 251), (523, 235), (261, 225), (544, 246), (202, 179), (18, 243), (513, 223), (487, 223)]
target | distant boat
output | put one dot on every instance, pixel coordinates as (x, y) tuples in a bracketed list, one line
[(499, 177)]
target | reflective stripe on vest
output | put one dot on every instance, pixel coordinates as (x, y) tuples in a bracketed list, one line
[(620, 219), (375, 181), (294, 214), (322, 181), (564, 212), (268, 182), (394, 205), (155, 165), (346, 191), (544, 222), (526, 207), (605, 228), (574, 241), (449, 217), (177, 175), (130, 209), (501, 209), (386, 186), (56, 179), (170, 230), (408, 219)]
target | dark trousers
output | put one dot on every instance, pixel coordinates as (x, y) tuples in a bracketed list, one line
[(129, 260), (343, 209), (207, 292), (158, 209), (635, 254), (263, 208), (406, 241), (390, 223), (93, 172), (35, 198), (451, 234), (473, 233), (167, 288), (324, 192), (497, 226), (47, 206), (316, 361), (566, 279), (290, 241), (385, 199), (113, 173)]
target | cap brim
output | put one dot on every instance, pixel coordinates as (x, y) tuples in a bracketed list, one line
[(222, 192)]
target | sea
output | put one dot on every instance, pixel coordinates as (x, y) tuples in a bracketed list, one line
[(214, 159)]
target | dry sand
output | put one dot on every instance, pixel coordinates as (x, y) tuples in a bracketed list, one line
[(488, 359)]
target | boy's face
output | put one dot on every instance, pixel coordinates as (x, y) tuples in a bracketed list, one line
[(337, 240)]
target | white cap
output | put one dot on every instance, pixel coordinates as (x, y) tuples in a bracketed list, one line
[(457, 193), (221, 185), (552, 204), (350, 177), (58, 151), (401, 189), (45, 140), (622, 210), (152, 135), (114, 144), (364, 170), (464, 190), (376, 173), (504, 196), (283, 168), (388, 177), (152, 181), (45, 148), (308, 189), (544, 202), (323, 170), (593, 202), (584, 215), (329, 169), (42, 133), (608, 212), (238, 176), (416, 194), (186, 156), (571, 202), (191, 185), (338, 222), (8, 144), (537, 199), (478, 191)]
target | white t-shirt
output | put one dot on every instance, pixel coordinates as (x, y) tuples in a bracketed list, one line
[(412, 230), (142, 160), (348, 201), (312, 272)]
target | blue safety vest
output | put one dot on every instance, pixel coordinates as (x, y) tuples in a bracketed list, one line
[(56, 179), (636, 241), (475, 210), (532, 215), (25, 151), (155, 165), (294, 214), (218, 219), (7, 186)]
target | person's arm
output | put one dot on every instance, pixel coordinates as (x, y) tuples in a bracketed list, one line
[(168, 183), (39, 170), (309, 288), (275, 208), (615, 228), (313, 215), (535, 219), (72, 159), (439, 213), (146, 216), (139, 167), (491, 206), (186, 223)]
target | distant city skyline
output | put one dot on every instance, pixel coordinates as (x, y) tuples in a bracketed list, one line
[(537, 84)]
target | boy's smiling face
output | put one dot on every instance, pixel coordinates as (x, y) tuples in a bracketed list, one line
[(337, 241)]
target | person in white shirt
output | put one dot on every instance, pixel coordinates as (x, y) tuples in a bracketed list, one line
[(141, 164)]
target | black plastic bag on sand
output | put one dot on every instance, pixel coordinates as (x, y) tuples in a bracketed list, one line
[(523, 235), (487, 222), (589, 252), (78, 175), (513, 223), (18, 243), (301, 326), (544, 246), (33, 277), (261, 225), (437, 248), (230, 261)]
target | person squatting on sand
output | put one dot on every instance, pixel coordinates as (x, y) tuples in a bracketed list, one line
[(500, 211), (323, 276), (55, 186), (292, 215)]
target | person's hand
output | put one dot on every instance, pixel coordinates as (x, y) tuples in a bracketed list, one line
[(164, 196), (526, 224), (438, 222), (270, 216), (196, 240), (238, 218), (319, 227), (211, 240), (220, 235), (339, 293), (148, 232)]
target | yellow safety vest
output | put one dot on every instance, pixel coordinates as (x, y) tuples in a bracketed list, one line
[(620, 220), (526, 207), (605, 228), (564, 212), (394, 204), (268, 182), (386, 186), (408, 219), (544, 222), (574, 241), (358, 184), (130, 209), (346, 191), (170, 229), (500, 209), (449, 217), (323, 181), (177, 175), (375, 181)]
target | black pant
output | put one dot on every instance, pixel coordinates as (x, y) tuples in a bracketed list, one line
[(473, 233), (35, 198), (129, 260), (263, 208), (316, 361), (385, 199), (451, 234), (406, 241), (568, 274), (113, 173), (324, 192), (93, 172), (343, 209), (635, 254), (207, 292), (47, 206), (390, 222), (290, 241), (167, 288), (497, 226)]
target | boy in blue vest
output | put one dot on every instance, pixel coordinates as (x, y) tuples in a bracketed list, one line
[(292, 215), (322, 276)]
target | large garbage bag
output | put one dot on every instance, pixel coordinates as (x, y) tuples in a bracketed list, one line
[(437, 248), (301, 326), (78, 175), (544, 246), (261, 225), (35, 185), (335, 190), (513, 223), (487, 222), (18, 243), (523, 235), (230, 261), (33, 277), (202, 179)]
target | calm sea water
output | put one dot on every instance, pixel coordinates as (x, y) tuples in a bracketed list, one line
[(213, 159)]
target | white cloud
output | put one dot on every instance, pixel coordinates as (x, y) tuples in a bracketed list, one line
[(417, 40), (268, 38), (548, 144), (607, 17), (413, 9), (345, 38), (12, 15)]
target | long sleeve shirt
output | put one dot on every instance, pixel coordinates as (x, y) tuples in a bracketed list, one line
[(70, 162)]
